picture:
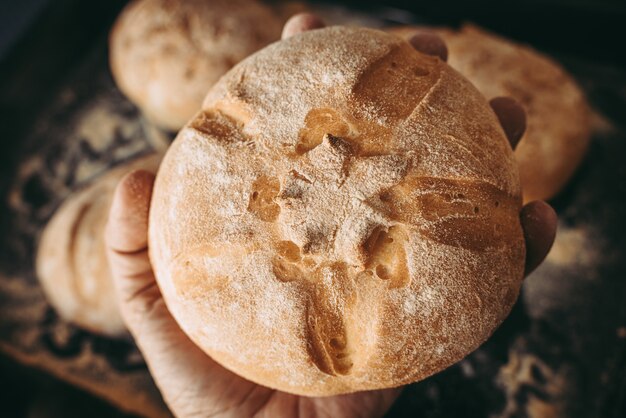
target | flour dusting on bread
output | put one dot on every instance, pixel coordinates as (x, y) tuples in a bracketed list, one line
[(342, 215)]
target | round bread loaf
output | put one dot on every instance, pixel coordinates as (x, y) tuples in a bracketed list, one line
[(558, 116), (342, 215), (166, 54), (71, 261)]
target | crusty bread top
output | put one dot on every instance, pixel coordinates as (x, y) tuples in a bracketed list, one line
[(166, 54), (558, 115), (342, 215)]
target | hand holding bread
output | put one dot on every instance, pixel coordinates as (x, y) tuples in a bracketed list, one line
[(190, 381), (175, 361)]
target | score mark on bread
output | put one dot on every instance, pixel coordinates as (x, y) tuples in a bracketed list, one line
[(558, 116), (262, 199)]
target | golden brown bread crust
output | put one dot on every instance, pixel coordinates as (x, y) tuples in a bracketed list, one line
[(72, 266), (166, 54), (558, 116), (342, 215)]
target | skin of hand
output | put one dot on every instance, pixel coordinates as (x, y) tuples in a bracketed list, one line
[(192, 384)]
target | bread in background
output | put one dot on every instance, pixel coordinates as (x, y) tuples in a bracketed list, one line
[(71, 263), (166, 54)]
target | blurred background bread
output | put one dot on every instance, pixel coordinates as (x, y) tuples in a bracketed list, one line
[(558, 115), (72, 266), (166, 54)]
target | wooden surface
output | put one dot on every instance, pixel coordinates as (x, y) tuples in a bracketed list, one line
[(561, 353)]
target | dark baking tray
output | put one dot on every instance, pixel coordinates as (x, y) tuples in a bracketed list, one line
[(561, 353)]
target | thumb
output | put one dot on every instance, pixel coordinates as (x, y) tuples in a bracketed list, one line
[(157, 335), (126, 238), (139, 298)]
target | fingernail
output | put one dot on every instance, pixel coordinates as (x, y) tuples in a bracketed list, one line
[(430, 44), (301, 22), (512, 118)]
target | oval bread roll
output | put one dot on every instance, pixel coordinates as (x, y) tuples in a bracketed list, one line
[(71, 260), (558, 117), (342, 215), (166, 54)]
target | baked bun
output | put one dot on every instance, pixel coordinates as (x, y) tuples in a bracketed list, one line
[(71, 261), (558, 116), (342, 215), (165, 55)]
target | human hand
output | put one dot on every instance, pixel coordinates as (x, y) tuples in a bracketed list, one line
[(192, 384)]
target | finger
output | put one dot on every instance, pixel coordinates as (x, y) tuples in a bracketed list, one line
[(430, 44), (126, 234), (512, 118), (301, 22), (190, 381), (127, 228), (539, 223), (374, 403)]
